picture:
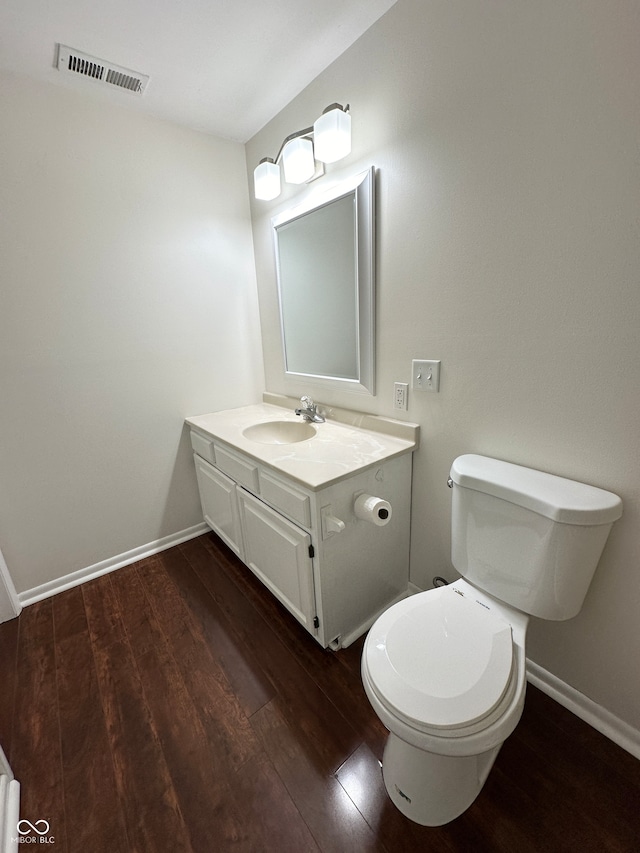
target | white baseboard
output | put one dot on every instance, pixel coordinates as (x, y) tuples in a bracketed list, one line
[(10, 607), (9, 814), (46, 590), (9, 807), (602, 720), (5, 770)]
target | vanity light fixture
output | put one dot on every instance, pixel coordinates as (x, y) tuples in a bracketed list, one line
[(332, 134), (298, 161), (328, 140)]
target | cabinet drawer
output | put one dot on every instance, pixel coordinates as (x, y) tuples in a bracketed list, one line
[(290, 500), (243, 471), (203, 446)]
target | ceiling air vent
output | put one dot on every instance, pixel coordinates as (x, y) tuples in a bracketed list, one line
[(80, 64)]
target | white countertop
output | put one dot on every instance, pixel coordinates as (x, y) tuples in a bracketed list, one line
[(337, 450)]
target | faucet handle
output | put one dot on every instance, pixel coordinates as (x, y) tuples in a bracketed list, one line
[(307, 402)]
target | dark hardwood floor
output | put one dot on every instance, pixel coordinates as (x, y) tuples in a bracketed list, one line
[(173, 705)]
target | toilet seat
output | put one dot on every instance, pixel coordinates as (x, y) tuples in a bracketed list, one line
[(440, 661)]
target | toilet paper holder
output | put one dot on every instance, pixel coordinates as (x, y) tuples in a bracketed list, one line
[(371, 508)]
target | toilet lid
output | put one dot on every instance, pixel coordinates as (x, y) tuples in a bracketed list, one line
[(440, 660)]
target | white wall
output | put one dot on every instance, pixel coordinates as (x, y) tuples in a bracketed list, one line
[(127, 301), (506, 139)]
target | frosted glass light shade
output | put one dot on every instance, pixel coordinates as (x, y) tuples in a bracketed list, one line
[(266, 180), (298, 161), (332, 135)]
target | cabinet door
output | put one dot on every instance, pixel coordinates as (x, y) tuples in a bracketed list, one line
[(219, 504), (277, 551)]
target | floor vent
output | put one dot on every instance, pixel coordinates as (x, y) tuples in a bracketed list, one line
[(73, 61)]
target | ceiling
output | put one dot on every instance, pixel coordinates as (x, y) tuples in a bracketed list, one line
[(225, 67)]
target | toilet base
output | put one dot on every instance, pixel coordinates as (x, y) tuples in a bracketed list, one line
[(433, 789)]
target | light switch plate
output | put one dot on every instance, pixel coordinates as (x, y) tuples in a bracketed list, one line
[(425, 375)]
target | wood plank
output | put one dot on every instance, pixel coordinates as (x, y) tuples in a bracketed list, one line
[(187, 638), (605, 817), (8, 669), (147, 797), (198, 779), (330, 814), (309, 711), (506, 813), (336, 673), (35, 754), (361, 778), (542, 710), (272, 822), (69, 616), (230, 736), (92, 805), (250, 684)]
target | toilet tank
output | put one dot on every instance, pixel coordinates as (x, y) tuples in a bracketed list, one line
[(530, 539)]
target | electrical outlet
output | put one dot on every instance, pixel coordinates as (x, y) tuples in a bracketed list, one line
[(400, 396), (425, 375)]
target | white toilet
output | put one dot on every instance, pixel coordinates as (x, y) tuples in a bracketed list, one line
[(445, 669)]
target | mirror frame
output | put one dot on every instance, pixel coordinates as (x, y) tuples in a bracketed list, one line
[(362, 187)]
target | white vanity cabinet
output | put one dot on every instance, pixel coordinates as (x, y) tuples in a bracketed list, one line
[(333, 571)]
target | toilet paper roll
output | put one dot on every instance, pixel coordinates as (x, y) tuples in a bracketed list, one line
[(375, 510)]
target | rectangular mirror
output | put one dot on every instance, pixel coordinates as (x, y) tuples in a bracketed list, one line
[(325, 266)]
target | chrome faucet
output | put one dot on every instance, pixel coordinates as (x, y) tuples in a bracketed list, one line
[(309, 411)]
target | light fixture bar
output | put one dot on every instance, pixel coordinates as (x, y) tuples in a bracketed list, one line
[(327, 141), (307, 131)]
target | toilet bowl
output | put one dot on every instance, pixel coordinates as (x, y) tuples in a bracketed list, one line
[(445, 672), (445, 669)]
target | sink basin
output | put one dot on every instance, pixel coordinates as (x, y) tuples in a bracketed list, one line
[(280, 432)]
